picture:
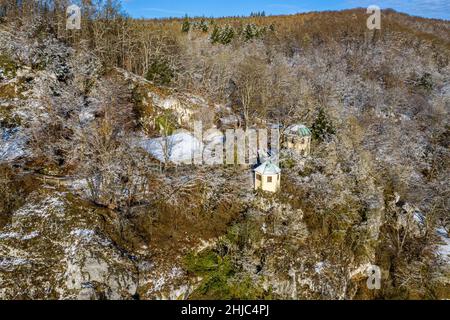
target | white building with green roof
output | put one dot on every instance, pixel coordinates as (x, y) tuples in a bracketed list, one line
[(297, 137), (268, 177)]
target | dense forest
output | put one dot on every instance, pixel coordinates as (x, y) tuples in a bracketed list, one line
[(86, 213)]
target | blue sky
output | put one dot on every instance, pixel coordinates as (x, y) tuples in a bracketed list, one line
[(210, 8)]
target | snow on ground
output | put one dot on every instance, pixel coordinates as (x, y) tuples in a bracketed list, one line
[(183, 147), (15, 235), (12, 144), (213, 135), (42, 208), (229, 120), (86, 116), (83, 233), (319, 267), (8, 262), (79, 184), (444, 248), (178, 148), (419, 218), (214, 141)]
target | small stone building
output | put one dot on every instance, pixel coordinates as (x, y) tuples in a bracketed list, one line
[(268, 177), (298, 138)]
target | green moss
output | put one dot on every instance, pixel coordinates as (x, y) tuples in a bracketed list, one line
[(8, 119), (243, 233), (166, 123), (10, 91), (201, 263), (8, 66), (221, 279)]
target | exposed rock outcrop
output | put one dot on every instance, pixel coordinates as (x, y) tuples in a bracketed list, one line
[(54, 247)]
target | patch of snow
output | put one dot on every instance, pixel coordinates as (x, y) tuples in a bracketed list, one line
[(229, 120), (158, 284), (264, 228), (214, 141), (12, 144), (42, 208), (8, 262), (419, 218), (178, 148), (80, 184), (175, 272), (9, 235), (213, 135), (86, 116), (444, 249), (319, 267), (31, 235), (83, 233), (445, 91), (15, 235), (295, 127), (170, 103)]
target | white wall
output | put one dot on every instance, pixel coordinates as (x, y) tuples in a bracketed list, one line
[(273, 186)]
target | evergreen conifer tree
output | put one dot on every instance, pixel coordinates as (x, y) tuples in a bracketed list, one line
[(322, 129)]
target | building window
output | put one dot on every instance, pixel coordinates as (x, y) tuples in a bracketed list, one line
[(258, 177), (269, 179)]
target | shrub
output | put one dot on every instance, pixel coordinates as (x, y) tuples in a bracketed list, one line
[(7, 67), (186, 25), (425, 82), (215, 35), (166, 123), (227, 35), (220, 279), (202, 26), (223, 36), (160, 72), (250, 31), (201, 263)]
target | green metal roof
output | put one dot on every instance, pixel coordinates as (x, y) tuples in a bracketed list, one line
[(268, 168), (299, 129)]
